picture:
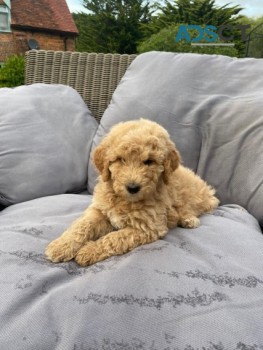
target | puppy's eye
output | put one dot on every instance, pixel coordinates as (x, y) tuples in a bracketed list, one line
[(148, 162)]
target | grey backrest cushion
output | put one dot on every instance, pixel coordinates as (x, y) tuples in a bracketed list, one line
[(212, 107), (45, 138)]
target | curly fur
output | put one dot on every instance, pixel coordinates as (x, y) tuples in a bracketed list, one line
[(143, 190)]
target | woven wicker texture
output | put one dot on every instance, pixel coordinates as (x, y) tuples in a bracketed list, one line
[(94, 76)]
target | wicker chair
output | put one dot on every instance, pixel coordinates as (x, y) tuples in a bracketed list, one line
[(94, 76)]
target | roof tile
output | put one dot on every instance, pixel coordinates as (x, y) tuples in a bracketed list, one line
[(43, 14)]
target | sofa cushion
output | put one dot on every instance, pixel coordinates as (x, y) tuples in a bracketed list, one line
[(45, 137), (212, 107), (194, 289)]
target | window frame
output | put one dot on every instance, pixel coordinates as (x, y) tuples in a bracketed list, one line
[(6, 11)]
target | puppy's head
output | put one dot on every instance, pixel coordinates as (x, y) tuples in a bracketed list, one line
[(136, 157)]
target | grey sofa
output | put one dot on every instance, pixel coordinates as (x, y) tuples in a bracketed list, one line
[(199, 289)]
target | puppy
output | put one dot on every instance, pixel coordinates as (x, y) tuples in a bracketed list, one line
[(142, 191)]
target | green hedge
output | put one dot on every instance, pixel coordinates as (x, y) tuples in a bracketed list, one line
[(12, 72)]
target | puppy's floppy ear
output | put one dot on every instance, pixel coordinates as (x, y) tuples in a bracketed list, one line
[(171, 162), (101, 161)]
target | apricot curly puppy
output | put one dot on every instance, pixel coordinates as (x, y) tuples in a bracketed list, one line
[(142, 192)]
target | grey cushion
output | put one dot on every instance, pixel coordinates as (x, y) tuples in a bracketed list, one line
[(212, 107), (45, 138), (195, 289)]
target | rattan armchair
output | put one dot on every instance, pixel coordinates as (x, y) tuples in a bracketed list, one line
[(94, 76)]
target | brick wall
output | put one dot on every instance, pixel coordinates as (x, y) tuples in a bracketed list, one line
[(16, 42)]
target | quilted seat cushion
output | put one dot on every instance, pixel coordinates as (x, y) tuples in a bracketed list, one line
[(45, 137), (194, 289)]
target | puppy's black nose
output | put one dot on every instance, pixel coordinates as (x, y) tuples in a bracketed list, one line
[(133, 188)]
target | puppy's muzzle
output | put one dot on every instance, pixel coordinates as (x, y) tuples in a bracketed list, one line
[(133, 188)]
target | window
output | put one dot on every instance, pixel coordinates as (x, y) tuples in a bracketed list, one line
[(4, 19)]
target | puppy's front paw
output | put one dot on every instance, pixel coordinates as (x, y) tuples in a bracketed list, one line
[(90, 253), (60, 250), (190, 222)]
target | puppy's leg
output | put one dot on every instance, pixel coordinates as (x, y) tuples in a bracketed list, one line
[(90, 226), (114, 243), (172, 217), (188, 215), (189, 221)]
